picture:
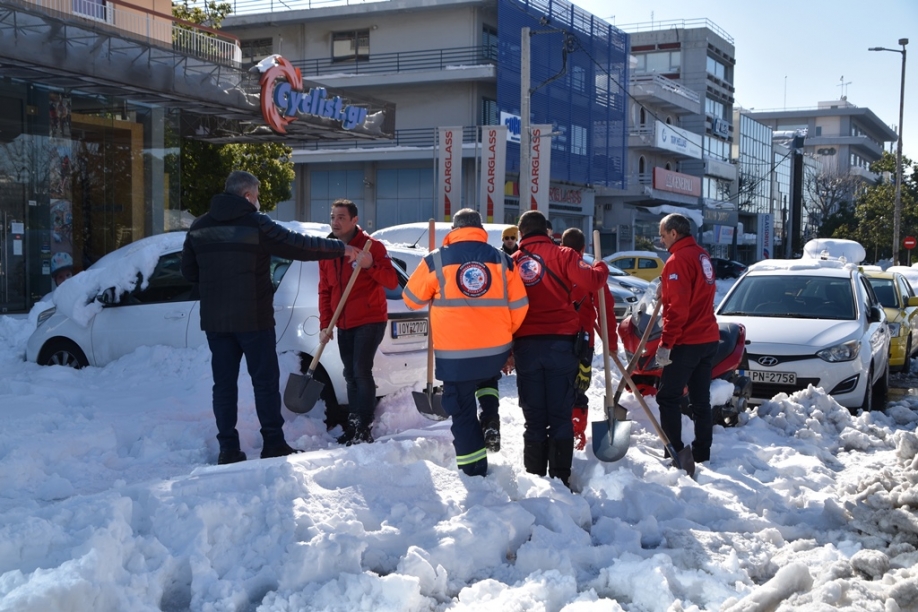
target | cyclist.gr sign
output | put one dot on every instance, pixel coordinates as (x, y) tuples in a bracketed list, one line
[(283, 99)]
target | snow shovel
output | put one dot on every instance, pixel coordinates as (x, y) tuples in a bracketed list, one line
[(303, 390), (612, 436), (683, 459), (430, 402)]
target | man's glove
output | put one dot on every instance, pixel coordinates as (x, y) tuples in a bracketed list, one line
[(584, 372), (663, 359), (579, 419)]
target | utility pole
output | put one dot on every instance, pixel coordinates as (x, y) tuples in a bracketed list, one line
[(525, 178)]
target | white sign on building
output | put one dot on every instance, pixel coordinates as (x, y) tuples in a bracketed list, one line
[(449, 176), (677, 140), (493, 172), (765, 237)]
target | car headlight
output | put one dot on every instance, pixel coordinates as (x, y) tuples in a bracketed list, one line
[(894, 329), (45, 315), (846, 351)]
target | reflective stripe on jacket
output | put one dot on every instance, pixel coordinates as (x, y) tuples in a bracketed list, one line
[(477, 300)]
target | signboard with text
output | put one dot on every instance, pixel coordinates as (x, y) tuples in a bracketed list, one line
[(676, 182), (675, 139), (493, 171), (449, 175)]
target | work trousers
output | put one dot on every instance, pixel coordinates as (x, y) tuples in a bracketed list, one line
[(545, 371), (691, 367), (459, 403)]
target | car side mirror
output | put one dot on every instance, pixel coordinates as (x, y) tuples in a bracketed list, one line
[(107, 297), (876, 314), (912, 301)]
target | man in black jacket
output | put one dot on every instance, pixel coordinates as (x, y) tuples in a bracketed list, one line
[(227, 253)]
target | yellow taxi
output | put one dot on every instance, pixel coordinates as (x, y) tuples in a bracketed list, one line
[(643, 264), (901, 305)]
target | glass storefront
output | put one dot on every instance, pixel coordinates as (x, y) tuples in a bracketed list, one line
[(80, 176)]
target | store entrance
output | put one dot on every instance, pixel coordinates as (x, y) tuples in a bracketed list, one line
[(13, 289)]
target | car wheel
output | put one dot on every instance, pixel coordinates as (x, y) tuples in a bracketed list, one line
[(62, 352), (867, 404)]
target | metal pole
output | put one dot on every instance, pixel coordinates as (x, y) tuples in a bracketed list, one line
[(897, 210), (525, 195)]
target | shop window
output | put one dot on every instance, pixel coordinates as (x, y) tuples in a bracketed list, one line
[(351, 46)]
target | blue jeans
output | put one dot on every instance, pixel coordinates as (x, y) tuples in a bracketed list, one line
[(691, 367), (545, 371), (227, 350), (357, 347)]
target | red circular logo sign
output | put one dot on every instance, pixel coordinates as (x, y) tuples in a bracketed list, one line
[(909, 242)]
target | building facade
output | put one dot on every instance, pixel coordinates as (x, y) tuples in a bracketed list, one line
[(95, 98), (696, 56), (453, 63)]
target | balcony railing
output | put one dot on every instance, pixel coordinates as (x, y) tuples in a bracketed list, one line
[(676, 24), (254, 7), (404, 61), (667, 84), (157, 28), (416, 138)]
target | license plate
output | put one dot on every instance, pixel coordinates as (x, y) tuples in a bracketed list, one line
[(781, 378), (408, 329)]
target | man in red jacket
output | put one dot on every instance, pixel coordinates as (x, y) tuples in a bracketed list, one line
[(543, 347), (362, 323), (690, 336)]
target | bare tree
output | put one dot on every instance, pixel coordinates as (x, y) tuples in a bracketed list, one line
[(826, 191)]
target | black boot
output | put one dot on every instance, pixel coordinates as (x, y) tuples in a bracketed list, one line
[(350, 430), (560, 458), (491, 432), (535, 457)]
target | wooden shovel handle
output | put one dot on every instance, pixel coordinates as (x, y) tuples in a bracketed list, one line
[(640, 349), (431, 245), (603, 325), (347, 291)]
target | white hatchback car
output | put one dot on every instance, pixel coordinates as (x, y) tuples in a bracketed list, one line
[(99, 317), (811, 321)]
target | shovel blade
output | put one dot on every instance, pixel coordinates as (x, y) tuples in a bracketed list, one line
[(611, 439), (683, 460), (302, 392), (430, 404)]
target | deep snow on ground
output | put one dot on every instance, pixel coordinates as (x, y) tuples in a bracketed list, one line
[(110, 500)]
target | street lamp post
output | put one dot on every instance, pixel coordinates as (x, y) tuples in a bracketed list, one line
[(897, 207)]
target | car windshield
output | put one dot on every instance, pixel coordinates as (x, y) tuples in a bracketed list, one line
[(799, 297), (885, 291)]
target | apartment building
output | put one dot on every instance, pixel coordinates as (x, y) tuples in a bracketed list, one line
[(692, 62), (452, 63), (845, 138)]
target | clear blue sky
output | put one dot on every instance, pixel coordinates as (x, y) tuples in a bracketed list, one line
[(814, 43)]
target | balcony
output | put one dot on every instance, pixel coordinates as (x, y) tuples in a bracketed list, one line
[(141, 24), (665, 94), (423, 66)]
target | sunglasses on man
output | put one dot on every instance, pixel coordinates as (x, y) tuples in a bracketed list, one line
[(513, 238)]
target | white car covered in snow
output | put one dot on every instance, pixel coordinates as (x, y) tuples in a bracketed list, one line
[(136, 296), (812, 321)]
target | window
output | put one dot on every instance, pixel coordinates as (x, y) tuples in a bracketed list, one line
[(490, 113), (663, 62), (489, 42), (714, 108), (578, 79), (578, 140), (255, 50), (94, 9), (646, 264), (351, 46), (166, 283), (717, 69)]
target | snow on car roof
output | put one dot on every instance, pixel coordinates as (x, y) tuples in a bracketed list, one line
[(834, 248), (633, 254), (801, 265)]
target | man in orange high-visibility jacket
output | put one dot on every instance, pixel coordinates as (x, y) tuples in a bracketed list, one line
[(477, 301)]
